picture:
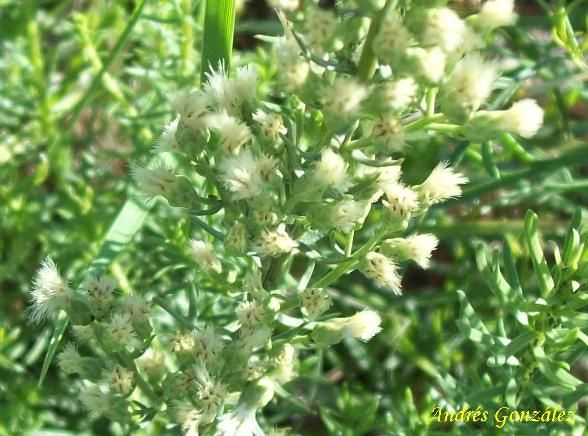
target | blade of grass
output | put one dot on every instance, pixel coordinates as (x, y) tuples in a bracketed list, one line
[(219, 27), (126, 224)]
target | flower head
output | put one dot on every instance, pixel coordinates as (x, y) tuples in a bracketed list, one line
[(469, 85), (241, 421), (443, 28), (120, 380), (206, 344), (363, 325), (220, 90), (442, 183), (496, 13), (95, 399), (392, 39), (119, 332), (154, 181), (167, 141), (348, 214), (275, 242), (315, 302), (245, 84), (399, 94), (232, 133), (192, 108), (50, 293), (414, 247), (387, 132), (429, 63), (402, 201), (242, 176), (204, 255), (381, 270), (250, 314), (524, 118), (209, 391), (331, 170), (272, 125), (344, 97), (70, 361), (188, 417)]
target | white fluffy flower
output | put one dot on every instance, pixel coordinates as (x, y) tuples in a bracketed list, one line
[(430, 63), (442, 183), (496, 13), (167, 141), (381, 270), (50, 293), (152, 363), (220, 90), (95, 399), (524, 118), (206, 344), (331, 170), (120, 380), (137, 306), (387, 131), (192, 108), (272, 126), (348, 214), (315, 301), (154, 181), (189, 418), (119, 332), (232, 133), (239, 422), (344, 97), (245, 84), (292, 69), (284, 364), (210, 391), (318, 28), (203, 253), (275, 242), (250, 314), (417, 248), (242, 176), (399, 94), (363, 325), (392, 39), (401, 200), (99, 291), (470, 83), (69, 360), (443, 28)]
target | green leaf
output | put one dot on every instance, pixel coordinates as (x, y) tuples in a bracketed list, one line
[(219, 27), (546, 283)]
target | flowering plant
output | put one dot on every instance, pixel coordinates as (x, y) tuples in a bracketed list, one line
[(285, 189)]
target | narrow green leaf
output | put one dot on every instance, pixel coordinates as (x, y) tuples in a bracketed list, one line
[(126, 224), (546, 283), (219, 27)]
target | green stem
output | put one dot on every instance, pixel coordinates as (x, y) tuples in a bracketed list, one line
[(368, 61)]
